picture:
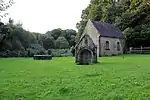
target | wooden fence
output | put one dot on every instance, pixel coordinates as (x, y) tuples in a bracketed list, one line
[(141, 50)]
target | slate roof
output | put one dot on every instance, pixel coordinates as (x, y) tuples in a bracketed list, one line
[(107, 30)]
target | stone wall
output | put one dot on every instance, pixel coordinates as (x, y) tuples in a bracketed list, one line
[(112, 46), (101, 41), (93, 33), (85, 51)]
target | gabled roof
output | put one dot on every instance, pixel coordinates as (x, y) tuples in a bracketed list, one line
[(107, 30), (82, 39)]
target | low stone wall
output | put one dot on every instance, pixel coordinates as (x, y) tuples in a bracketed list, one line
[(42, 57)]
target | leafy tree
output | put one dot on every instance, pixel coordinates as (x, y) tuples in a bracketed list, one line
[(36, 49), (49, 52), (70, 35), (132, 17), (4, 30), (4, 6), (49, 43), (16, 45), (4, 33), (62, 43), (55, 33)]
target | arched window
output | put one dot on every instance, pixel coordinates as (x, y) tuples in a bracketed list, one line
[(118, 46), (107, 45), (86, 41)]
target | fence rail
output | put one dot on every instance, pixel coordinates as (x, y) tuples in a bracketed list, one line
[(140, 50)]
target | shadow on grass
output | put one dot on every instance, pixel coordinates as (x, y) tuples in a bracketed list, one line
[(92, 75), (99, 64), (107, 63), (63, 90)]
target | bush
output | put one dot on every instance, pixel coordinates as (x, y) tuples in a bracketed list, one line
[(49, 43), (36, 49), (13, 53), (49, 52), (61, 52), (62, 43), (23, 54), (114, 54), (30, 52), (3, 54)]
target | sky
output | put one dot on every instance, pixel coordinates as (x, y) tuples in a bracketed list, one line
[(43, 15)]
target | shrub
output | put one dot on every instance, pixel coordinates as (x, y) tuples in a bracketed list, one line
[(49, 43), (36, 49), (114, 54), (62, 43), (3, 54), (14, 54), (61, 52), (49, 52)]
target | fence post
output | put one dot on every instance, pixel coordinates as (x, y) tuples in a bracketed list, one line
[(141, 49), (130, 49)]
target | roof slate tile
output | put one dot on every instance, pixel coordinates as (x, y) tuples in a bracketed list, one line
[(107, 30)]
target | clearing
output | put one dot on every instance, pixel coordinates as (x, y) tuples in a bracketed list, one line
[(113, 78)]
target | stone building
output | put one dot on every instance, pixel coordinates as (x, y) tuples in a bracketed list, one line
[(86, 51), (99, 39)]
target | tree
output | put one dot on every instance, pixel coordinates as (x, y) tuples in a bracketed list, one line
[(49, 43), (4, 6), (4, 30), (62, 43), (36, 49), (132, 17), (55, 33), (4, 33), (70, 35), (16, 45)]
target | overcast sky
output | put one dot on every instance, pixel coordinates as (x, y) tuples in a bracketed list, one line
[(43, 15)]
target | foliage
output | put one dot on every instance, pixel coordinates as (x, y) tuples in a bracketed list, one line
[(14, 38), (36, 49), (4, 30), (49, 52), (55, 33), (49, 43), (62, 43), (69, 34), (4, 5), (111, 79), (4, 33), (132, 17), (61, 52)]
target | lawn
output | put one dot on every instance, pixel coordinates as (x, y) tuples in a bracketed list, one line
[(113, 78)]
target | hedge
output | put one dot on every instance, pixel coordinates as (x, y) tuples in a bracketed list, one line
[(61, 52)]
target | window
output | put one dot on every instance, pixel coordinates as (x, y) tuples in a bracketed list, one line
[(86, 41), (107, 45), (118, 46)]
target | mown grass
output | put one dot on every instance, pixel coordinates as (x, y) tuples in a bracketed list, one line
[(113, 78)]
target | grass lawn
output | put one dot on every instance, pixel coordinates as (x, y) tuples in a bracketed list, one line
[(114, 78)]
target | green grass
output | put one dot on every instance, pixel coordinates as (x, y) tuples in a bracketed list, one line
[(114, 78)]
